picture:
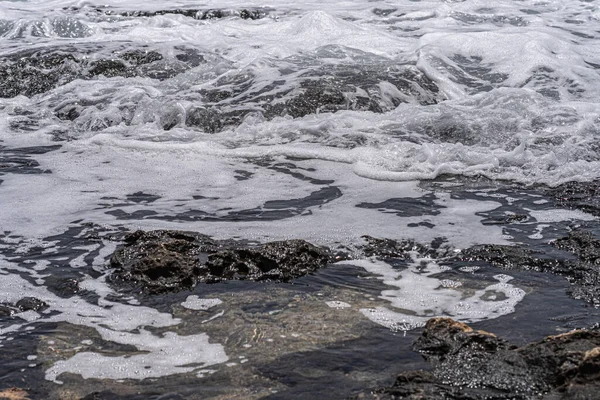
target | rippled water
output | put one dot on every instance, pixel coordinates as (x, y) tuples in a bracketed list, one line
[(320, 121)]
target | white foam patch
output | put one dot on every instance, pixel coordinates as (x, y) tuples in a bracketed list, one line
[(420, 296), (194, 303), (165, 355), (538, 234), (162, 355), (338, 305), (559, 215)]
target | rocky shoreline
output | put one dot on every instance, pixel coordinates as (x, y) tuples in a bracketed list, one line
[(477, 365), (466, 363), (286, 306)]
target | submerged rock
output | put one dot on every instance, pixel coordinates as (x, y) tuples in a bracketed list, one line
[(31, 304), (313, 84), (163, 261), (583, 244), (471, 364), (25, 304), (37, 71)]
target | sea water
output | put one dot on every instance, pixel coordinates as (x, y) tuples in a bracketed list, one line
[(269, 121)]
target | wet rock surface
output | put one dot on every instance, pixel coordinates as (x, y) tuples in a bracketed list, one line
[(389, 249), (205, 14), (31, 304), (163, 261), (355, 85), (473, 364), (333, 79), (25, 304), (584, 196)]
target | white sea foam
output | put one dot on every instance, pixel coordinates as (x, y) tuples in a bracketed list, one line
[(166, 355), (195, 303), (162, 355), (338, 305), (67, 191), (420, 296), (559, 215)]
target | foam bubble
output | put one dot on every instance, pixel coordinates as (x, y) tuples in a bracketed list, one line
[(164, 355), (194, 303), (337, 304)]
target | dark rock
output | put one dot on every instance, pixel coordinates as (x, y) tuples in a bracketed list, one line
[(209, 120), (252, 14), (584, 196), (31, 304), (393, 249), (6, 311), (108, 68), (583, 244), (191, 13), (163, 261), (511, 258), (275, 261), (317, 97), (476, 365), (201, 14), (139, 57), (31, 73), (214, 14), (63, 286)]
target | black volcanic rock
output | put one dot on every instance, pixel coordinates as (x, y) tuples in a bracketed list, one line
[(476, 365), (386, 249), (164, 261), (6, 311), (274, 261), (31, 304), (584, 196), (161, 261)]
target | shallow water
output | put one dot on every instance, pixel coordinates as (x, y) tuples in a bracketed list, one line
[(435, 121)]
